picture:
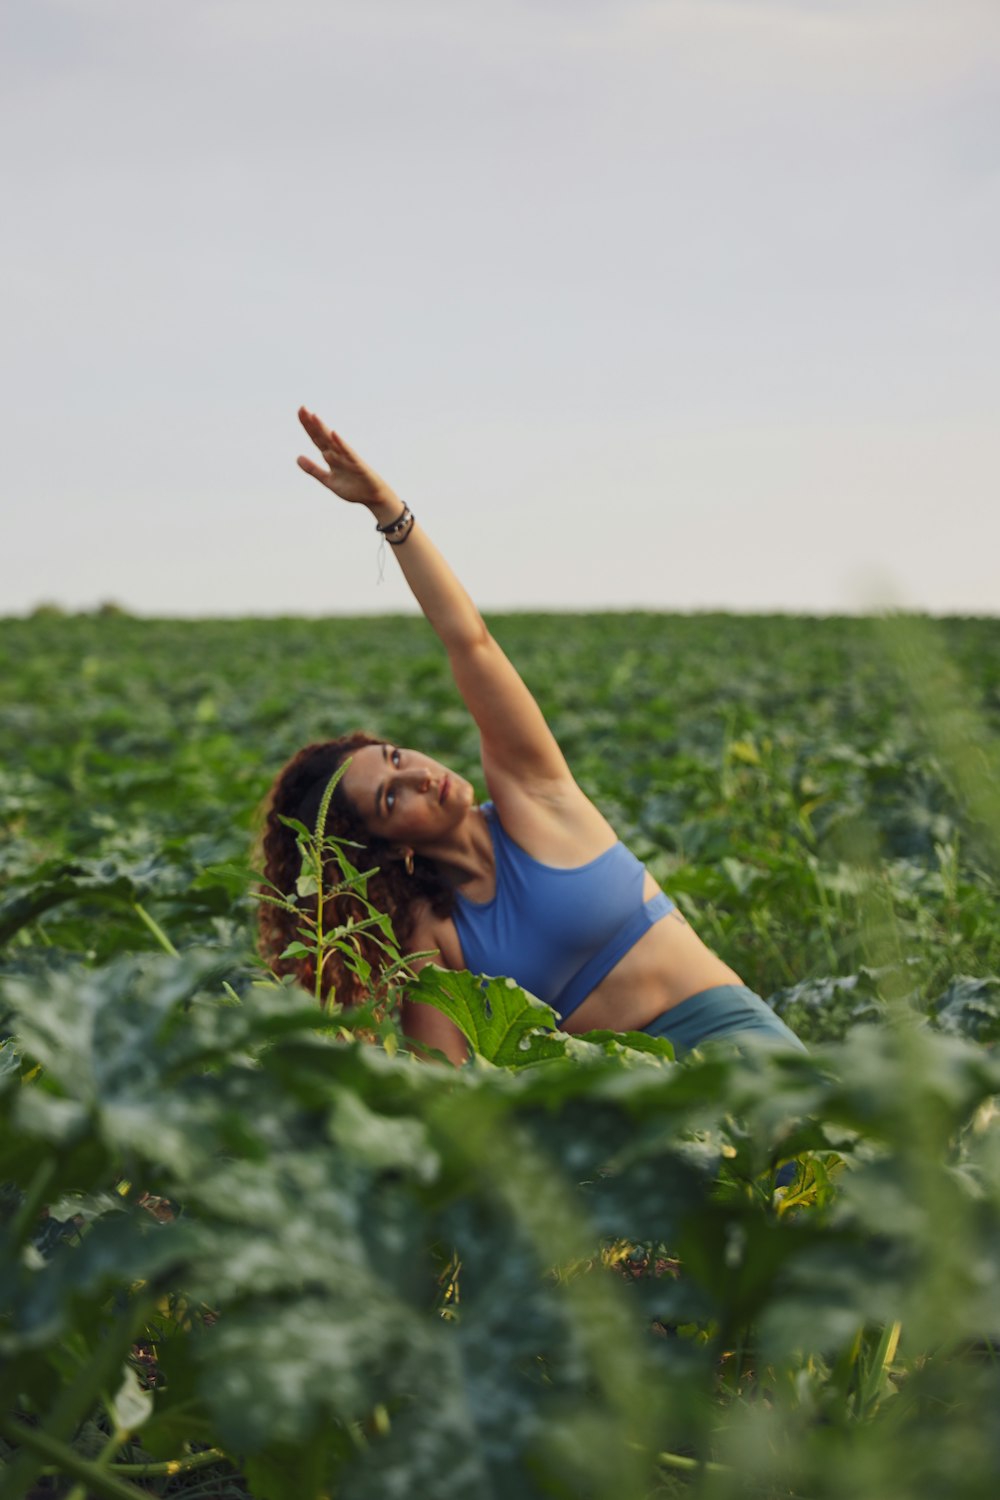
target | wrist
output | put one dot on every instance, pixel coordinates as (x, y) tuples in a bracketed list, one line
[(395, 529), (386, 506)]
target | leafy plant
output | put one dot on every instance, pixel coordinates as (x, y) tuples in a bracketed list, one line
[(318, 895), (245, 1252)]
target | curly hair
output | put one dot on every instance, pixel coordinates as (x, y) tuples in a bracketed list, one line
[(297, 793)]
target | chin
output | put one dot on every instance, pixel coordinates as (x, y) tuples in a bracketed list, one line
[(463, 795)]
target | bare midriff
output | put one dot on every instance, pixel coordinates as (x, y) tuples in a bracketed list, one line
[(668, 965)]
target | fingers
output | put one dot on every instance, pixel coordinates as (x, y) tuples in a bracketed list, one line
[(346, 474), (323, 475), (326, 441), (317, 429)]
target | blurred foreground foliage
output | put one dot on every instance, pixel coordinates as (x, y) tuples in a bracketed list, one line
[(244, 1253)]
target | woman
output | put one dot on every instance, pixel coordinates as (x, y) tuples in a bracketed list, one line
[(533, 884)]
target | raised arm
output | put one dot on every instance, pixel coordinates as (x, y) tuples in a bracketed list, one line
[(516, 741)]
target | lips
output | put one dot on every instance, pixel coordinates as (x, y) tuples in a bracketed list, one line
[(445, 789)]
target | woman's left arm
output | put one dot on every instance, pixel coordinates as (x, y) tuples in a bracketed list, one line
[(516, 740)]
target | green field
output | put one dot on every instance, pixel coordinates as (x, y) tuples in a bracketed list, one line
[(244, 1254)]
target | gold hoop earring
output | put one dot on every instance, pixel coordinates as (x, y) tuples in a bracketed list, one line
[(408, 862)]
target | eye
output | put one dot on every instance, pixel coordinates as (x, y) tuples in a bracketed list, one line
[(395, 757)]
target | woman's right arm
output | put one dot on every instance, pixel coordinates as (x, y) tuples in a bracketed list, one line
[(517, 742)]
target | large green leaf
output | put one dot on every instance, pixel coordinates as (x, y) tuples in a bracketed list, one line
[(502, 1023), (91, 880)]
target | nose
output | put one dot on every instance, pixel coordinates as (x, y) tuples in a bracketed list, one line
[(420, 778)]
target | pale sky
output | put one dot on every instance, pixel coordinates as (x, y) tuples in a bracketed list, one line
[(669, 304)]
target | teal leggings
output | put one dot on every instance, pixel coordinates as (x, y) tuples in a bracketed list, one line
[(728, 1010)]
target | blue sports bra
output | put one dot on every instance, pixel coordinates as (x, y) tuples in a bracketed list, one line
[(556, 932)]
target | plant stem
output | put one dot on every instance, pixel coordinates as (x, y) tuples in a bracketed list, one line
[(73, 1404), (884, 1355), (67, 1461), (28, 1211), (162, 1469), (824, 916), (102, 1461), (155, 929), (320, 955), (167, 945), (691, 1465)]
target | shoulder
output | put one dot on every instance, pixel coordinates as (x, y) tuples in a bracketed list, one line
[(434, 936), (556, 823)]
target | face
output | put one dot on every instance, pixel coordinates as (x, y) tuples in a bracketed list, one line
[(405, 796)]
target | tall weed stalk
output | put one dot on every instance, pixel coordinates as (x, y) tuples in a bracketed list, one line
[(326, 878)]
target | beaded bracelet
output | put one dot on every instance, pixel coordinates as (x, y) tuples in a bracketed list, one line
[(398, 541), (405, 515)]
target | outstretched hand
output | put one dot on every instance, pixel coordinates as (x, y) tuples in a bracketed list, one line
[(345, 474)]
